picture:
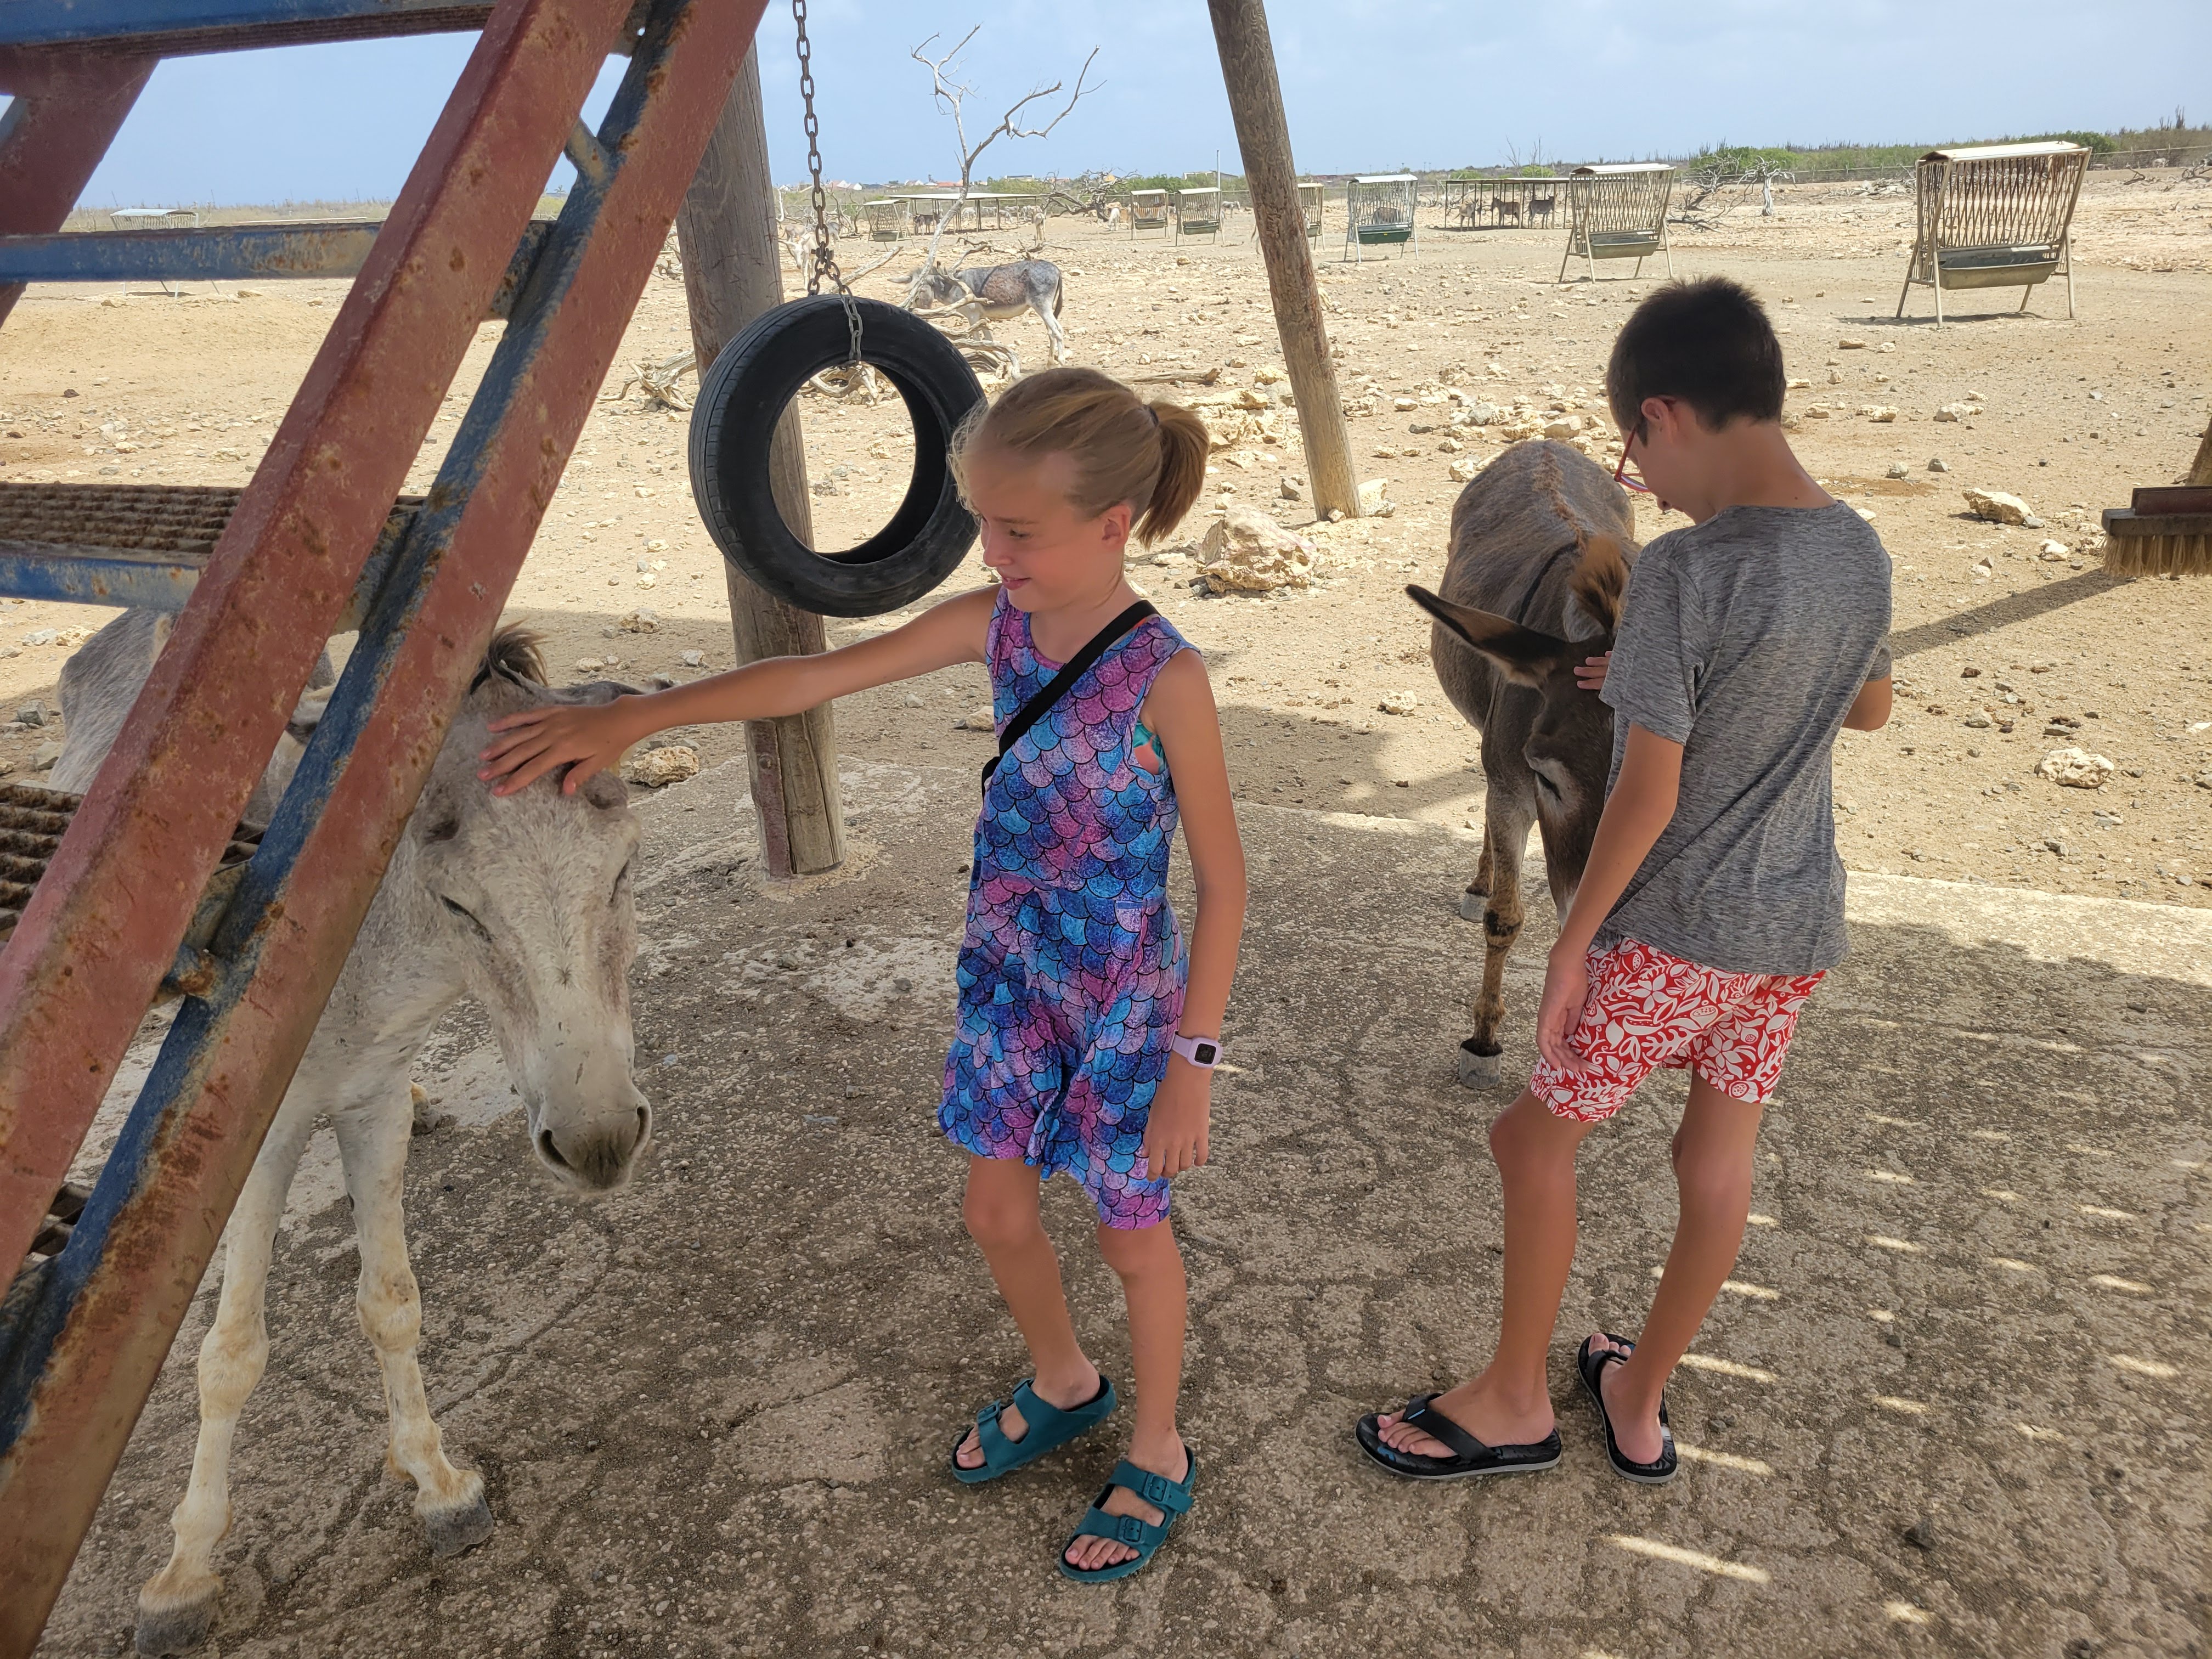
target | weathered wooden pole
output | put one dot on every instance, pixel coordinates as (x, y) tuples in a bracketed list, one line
[(734, 272), (1256, 100)]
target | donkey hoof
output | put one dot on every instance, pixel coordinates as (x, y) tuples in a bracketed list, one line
[(1473, 902), (462, 1528), (1478, 1070), (177, 1626)]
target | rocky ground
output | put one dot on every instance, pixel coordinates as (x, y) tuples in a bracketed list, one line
[(2013, 625), (1945, 1407)]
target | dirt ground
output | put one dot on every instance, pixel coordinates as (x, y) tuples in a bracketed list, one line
[(710, 1411)]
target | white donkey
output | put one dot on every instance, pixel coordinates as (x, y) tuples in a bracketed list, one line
[(522, 902)]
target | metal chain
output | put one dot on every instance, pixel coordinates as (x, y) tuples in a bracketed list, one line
[(826, 258)]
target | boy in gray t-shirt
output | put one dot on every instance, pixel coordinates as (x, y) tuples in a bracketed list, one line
[(1713, 900)]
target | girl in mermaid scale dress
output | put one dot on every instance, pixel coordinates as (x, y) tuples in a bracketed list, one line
[(1086, 1035)]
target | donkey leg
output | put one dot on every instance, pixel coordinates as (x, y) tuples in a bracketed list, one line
[(372, 1137), (1475, 899), (177, 1605), (1481, 1057), (1053, 329)]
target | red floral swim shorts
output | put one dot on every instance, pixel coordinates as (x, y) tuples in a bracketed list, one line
[(1648, 1011)]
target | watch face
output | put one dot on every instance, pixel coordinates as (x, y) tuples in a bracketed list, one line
[(1205, 1053)]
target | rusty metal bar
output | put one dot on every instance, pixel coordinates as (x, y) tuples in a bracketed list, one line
[(64, 115), (104, 925), (95, 1323)]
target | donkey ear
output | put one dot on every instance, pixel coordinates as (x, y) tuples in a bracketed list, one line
[(596, 691), (1599, 579), (1522, 654)]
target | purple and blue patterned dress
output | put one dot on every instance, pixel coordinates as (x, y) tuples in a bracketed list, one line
[(1071, 973)]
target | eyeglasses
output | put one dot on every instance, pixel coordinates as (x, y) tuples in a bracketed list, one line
[(1621, 475)]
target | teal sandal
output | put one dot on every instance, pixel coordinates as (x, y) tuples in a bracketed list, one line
[(1171, 1498), (1048, 1427)]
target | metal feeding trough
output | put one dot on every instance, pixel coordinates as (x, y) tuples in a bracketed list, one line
[(141, 545), (32, 822)]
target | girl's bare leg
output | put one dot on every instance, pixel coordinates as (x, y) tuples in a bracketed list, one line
[(1509, 1402), (1000, 1210), (1153, 1285)]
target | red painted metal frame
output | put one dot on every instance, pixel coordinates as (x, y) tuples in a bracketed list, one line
[(100, 933), (64, 116), (120, 1328)]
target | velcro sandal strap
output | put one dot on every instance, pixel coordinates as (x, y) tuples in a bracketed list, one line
[(1162, 1493), (997, 1448), (1130, 1529)]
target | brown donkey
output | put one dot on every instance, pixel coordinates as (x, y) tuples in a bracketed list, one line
[(1541, 541)]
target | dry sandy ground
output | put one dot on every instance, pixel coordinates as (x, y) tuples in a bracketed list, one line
[(2008, 1082), (712, 1411)]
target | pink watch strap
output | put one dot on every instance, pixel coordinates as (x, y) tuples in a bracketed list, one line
[(1203, 1052)]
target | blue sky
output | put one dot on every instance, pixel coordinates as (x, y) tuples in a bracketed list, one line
[(1369, 84)]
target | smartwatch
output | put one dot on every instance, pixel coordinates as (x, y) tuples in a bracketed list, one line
[(1205, 1053)]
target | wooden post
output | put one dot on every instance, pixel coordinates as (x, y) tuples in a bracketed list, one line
[(1256, 100), (734, 272)]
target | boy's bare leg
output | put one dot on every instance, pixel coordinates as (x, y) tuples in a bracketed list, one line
[(1000, 1210), (1152, 1283), (1510, 1403), (1713, 1151)]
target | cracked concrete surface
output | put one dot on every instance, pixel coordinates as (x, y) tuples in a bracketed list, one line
[(712, 1412)]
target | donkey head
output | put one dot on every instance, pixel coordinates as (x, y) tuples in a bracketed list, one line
[(526, 898), (1569, 747), (937, 286)]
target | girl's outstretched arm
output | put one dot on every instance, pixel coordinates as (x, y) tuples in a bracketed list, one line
[(1179, 709), (528, 746)]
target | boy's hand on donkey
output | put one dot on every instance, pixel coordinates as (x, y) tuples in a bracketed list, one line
[(1566, 988), (528, 746), (1590, 673), (1176, 1131)]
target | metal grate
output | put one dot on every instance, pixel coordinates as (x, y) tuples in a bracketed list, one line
[(32, 822), (177, 518)]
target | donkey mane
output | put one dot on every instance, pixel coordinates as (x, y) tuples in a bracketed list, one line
[(514, 654)]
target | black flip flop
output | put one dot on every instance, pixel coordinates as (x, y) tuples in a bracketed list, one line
[(1590, 1367), (1469, 1456)]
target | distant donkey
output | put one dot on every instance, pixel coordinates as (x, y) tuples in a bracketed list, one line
[(996, 292), (522, 903), (1541, 207), (1541, 541), (1506, 208)]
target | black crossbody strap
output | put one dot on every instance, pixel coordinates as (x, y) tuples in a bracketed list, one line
[(1064, 682)]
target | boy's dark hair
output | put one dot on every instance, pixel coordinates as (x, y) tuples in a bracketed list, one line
[(1708, 343)]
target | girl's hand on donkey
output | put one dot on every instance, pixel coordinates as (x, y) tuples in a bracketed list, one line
[(1175, 1133), (1590, 673), (1566, 988), (525, 746)]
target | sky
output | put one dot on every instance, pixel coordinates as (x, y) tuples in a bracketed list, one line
[(1368, 85)]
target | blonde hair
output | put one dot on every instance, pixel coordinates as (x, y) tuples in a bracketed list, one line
[(1150, 455)]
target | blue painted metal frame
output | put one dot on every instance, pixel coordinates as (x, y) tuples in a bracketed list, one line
[(229, 253), (149, 582), (38, 1311), (109, 22)]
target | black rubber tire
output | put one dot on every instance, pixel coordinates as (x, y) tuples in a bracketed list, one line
[(742, 397)]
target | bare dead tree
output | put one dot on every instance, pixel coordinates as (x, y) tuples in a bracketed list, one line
[(951, 94)]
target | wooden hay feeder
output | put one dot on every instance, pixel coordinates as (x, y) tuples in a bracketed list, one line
[(1618, 210), (1378, 212), (1312, 199), (1994, 215), (887, 221), (1197, 213), (1148, 210)]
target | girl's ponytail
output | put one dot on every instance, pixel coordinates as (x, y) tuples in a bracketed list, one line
[(1153, 456), (1183, 445)]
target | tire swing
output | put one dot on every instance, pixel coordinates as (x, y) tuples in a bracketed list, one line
[(742, 398)]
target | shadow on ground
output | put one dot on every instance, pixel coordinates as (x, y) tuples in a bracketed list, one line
[(713, 1411)]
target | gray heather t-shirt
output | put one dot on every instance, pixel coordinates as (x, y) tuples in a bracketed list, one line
[(1744, 640)]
